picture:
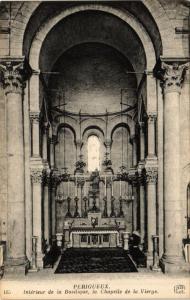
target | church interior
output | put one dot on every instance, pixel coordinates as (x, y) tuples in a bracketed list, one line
[(95, 118)]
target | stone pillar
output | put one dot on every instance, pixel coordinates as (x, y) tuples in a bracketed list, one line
[(13, 80), (53, 141), (54, 183), (134, 204), (35, 134), (151, 179), (107, 161), (37, 179), (78, 149), (45, 142), (134, 150), (142, 141), (152, 116), (142, 208), (172, 75), (46, 203)]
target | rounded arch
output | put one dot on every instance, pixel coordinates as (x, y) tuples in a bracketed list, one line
[(126, 121), (125, 16), (66, 125), (28, 9), (93, 151), (92, 130), (71, 122), (121, 124)]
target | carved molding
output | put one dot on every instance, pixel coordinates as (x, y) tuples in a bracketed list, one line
[(151, 174), (15, 72)]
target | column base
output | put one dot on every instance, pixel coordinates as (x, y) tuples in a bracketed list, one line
[(156, 268), (39, 261), (16, 266), (149, 260), (174, 264)]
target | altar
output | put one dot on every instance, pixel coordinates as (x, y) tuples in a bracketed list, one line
[(94, 231)]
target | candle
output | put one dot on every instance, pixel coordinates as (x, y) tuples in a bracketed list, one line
[(120, 188), (84, 188), (105, 185), (75, 186), (111, 186), (68, 187)]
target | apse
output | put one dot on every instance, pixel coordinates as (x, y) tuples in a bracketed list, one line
[(93, 78)]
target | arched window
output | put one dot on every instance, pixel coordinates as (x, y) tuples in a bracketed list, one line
[(93, 153)]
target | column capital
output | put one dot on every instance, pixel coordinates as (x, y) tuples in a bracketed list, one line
[(108, 142), (151, 175), (35, 116), (37, 175), (78, 143), (15, 72), (171, 73), (152, 116)]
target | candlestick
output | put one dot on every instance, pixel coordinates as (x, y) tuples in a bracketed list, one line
[(111, 186), (105, 187), (84, 188), (68, 188), (75, 186)]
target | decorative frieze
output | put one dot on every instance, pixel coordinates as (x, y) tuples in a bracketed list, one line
[(15, 72)]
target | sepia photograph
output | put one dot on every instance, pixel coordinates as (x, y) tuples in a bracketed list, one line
[(95, 149)]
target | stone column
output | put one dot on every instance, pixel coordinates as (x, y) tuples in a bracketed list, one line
[(134, 204), (142, 141), (35, 134), (46, 203), (134, 150), (45, 141), (152, 116), (53, 141), (107, 161), (151, 179), (142, 208), (78, 149), (172, 75), (37, 179), (13, 80), (54, 183)]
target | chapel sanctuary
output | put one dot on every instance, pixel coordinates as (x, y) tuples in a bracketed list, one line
[(94, 137)]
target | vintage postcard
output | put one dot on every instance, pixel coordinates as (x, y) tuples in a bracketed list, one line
[(95, 149)]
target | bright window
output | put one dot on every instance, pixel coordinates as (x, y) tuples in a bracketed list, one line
[(93, 153)]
